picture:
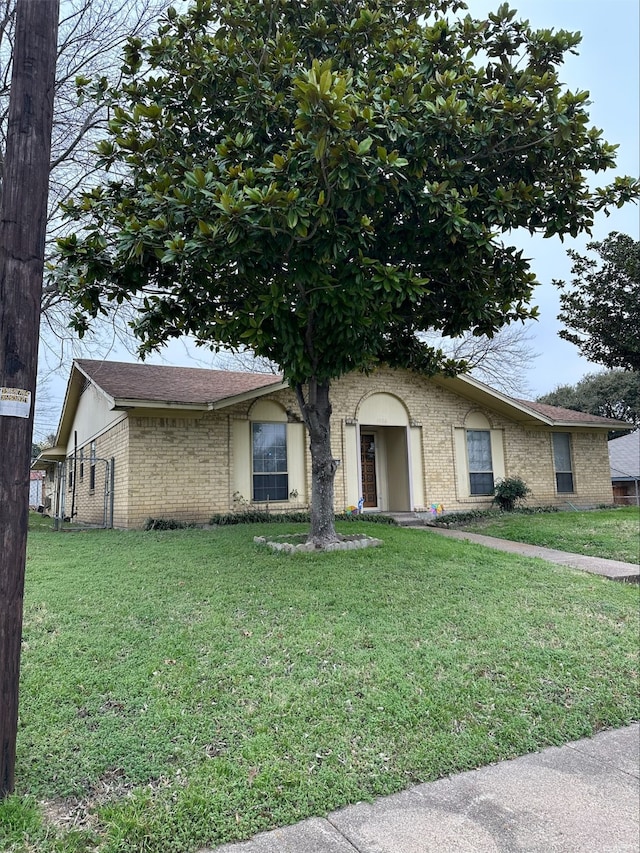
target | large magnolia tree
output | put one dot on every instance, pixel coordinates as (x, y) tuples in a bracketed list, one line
[(322, 182)]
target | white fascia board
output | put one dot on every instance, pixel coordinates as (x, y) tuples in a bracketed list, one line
[(248, 395), (493, 394), (123, 403)]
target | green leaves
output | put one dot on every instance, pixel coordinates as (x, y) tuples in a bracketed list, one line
[(601, 310), (348, 178)]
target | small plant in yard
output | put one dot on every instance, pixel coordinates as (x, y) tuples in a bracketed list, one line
[(239, 502), (509, 491)]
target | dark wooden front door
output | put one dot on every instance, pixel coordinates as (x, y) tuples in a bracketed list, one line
[(368, 466)]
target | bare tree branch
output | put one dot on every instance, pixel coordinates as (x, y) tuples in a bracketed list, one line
[(501, 361), (91, 36)]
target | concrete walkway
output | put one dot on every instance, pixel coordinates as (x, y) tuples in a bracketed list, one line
[(583, 797), (612, 569)]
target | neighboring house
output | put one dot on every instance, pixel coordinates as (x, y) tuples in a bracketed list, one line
[(138, 441), (624, 457), (36, 489)]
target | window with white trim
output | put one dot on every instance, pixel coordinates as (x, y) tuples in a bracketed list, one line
[(269, 461), (480, 463), (562, 462)]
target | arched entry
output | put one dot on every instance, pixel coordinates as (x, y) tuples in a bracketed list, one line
[(383, 454)]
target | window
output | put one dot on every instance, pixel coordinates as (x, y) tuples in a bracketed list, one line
[(562, 461), (480, 464), (269, 453), (92, 466), (81, 464), (70, 474)]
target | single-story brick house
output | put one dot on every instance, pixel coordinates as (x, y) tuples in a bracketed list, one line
[(624, 458), (138, 441)]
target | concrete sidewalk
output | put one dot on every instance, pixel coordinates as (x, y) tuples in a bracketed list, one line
[(612, 569), (583, 797)]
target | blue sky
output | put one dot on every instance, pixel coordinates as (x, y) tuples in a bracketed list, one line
[(608, 66)]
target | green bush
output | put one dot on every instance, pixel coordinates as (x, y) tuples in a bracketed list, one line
[(167, 524), (255, 516), (463, 517), (457, 518), (509, 491), (259, 516)]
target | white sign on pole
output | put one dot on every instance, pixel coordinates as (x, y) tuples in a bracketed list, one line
[(15, 402)]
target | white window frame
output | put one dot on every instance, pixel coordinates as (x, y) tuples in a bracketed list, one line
[(278, 473), (471, 473), (476, 421), (563, 473)]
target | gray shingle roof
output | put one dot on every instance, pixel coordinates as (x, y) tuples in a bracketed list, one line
[(201, 386), (166, 384), (558, 413)]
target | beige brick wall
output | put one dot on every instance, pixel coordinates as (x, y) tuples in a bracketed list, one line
[(178, 467), (182, 466), (528, 453), (90, 503)]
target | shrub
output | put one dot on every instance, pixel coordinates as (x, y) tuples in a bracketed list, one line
[(451, 519), (463, 517), (253, 516), (509, 491), (166, 524)]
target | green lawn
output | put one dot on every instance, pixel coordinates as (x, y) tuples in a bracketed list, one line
[(612, 533), (185, 688)]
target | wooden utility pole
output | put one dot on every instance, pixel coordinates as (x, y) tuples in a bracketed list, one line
[(23, 216)]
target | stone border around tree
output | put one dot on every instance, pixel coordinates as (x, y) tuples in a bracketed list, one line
[(287, 543)]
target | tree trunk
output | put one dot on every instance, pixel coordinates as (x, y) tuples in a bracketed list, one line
[(23, 212), (316, 413)]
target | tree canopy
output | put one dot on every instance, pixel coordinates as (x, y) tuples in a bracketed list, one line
[(601, 308), (610, 394), (323, 182)]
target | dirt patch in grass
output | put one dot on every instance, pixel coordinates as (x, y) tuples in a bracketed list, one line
[(68, 813), (81, 813)]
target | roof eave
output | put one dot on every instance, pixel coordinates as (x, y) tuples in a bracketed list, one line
[(126, 403), (249, 395), (478, 392), (72, 398), (49, 456), (607, 425)]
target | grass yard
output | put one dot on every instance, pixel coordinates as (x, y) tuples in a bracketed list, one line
[(611, 533), (185, 688)]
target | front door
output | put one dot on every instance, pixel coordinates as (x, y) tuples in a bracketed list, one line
[(368, 466)]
